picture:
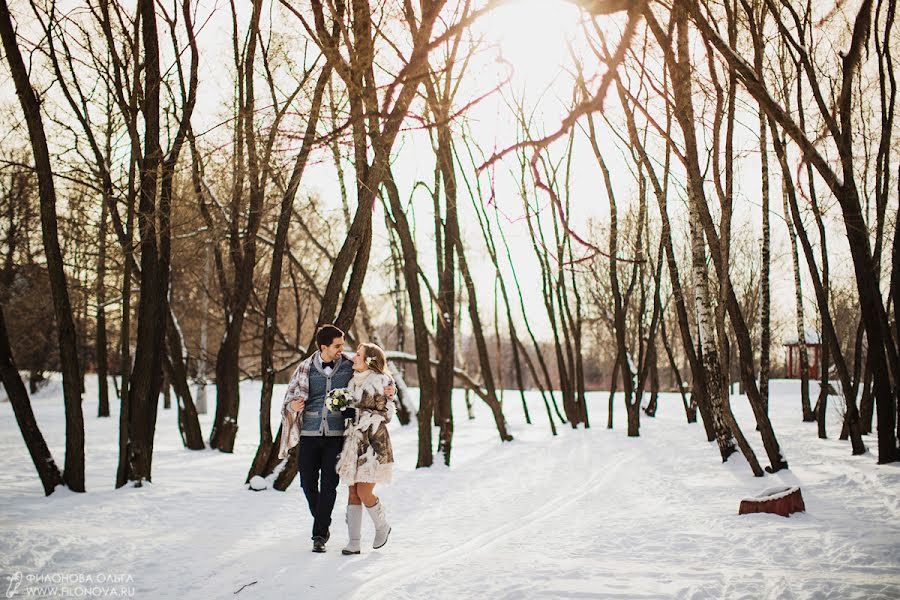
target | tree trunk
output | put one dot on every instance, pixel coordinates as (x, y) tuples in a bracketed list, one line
[(824, 286), (517, 360), (633, 412), (73, 473), (821, 409), (487, 375), (146, 379), (650, 365), (612, 391), (18, 397), (100, 340), (650, 411), (539, 247), (266, 445), (690, 409), (829, 332), (709, 356), (288, 466), (228, 395), (546, 387), (684, 112), (420, 330), (798, 299), (620, 308), (866, 403), (176, 372), (765, 309), (404, 414), (698, 375), (125, 352), (446, 296), (166, 389), (873, 315), (575, 322), (537, 380), (712, 375), (204, 335)]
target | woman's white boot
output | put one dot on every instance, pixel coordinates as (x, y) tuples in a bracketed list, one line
[(382, 529), (354, 528)]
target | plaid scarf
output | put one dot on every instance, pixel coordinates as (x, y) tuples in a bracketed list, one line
[(298, 389)]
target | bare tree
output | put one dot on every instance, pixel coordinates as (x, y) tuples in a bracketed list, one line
[(759, 10), (882, 347), (16, 221), (518, 352), (700, 216), (401, 226), (242, 245), (73, 473), (154, 220), (266, 454)]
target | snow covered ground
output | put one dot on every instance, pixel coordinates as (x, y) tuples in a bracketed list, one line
[(588, 514)]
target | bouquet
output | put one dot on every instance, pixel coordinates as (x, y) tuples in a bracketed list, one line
[(338, 399)]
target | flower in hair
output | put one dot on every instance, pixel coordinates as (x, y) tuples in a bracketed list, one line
[(370, 360)]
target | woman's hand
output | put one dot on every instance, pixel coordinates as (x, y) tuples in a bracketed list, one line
[(297, 405), (389, 391)]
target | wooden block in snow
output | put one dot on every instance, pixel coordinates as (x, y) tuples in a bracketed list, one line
[(779, 500)]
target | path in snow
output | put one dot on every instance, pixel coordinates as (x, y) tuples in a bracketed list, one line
[(588, 514)]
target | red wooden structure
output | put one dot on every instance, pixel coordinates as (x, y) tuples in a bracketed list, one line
[(813, 353), (779, 501)]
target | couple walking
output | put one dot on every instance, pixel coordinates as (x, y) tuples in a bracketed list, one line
[(352, 444)]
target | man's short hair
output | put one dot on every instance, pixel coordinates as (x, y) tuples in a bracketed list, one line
[(326, 335)]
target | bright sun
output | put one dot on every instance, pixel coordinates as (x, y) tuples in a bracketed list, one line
[(532, 35)]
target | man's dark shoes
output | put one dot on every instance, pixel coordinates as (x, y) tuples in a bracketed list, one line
[(319, 543)]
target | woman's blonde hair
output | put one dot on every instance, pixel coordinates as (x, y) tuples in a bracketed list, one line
[(374, 357)]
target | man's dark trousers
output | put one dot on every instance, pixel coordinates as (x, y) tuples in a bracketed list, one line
[(319, 454)]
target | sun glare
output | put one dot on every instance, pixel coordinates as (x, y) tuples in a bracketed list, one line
[(532, 36)]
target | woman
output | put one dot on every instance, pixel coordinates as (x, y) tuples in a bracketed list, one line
[(367, 458)]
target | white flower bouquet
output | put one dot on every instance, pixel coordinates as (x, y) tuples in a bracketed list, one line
[(338, 399)]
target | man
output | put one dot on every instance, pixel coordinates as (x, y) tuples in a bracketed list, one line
[(320, 433)]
